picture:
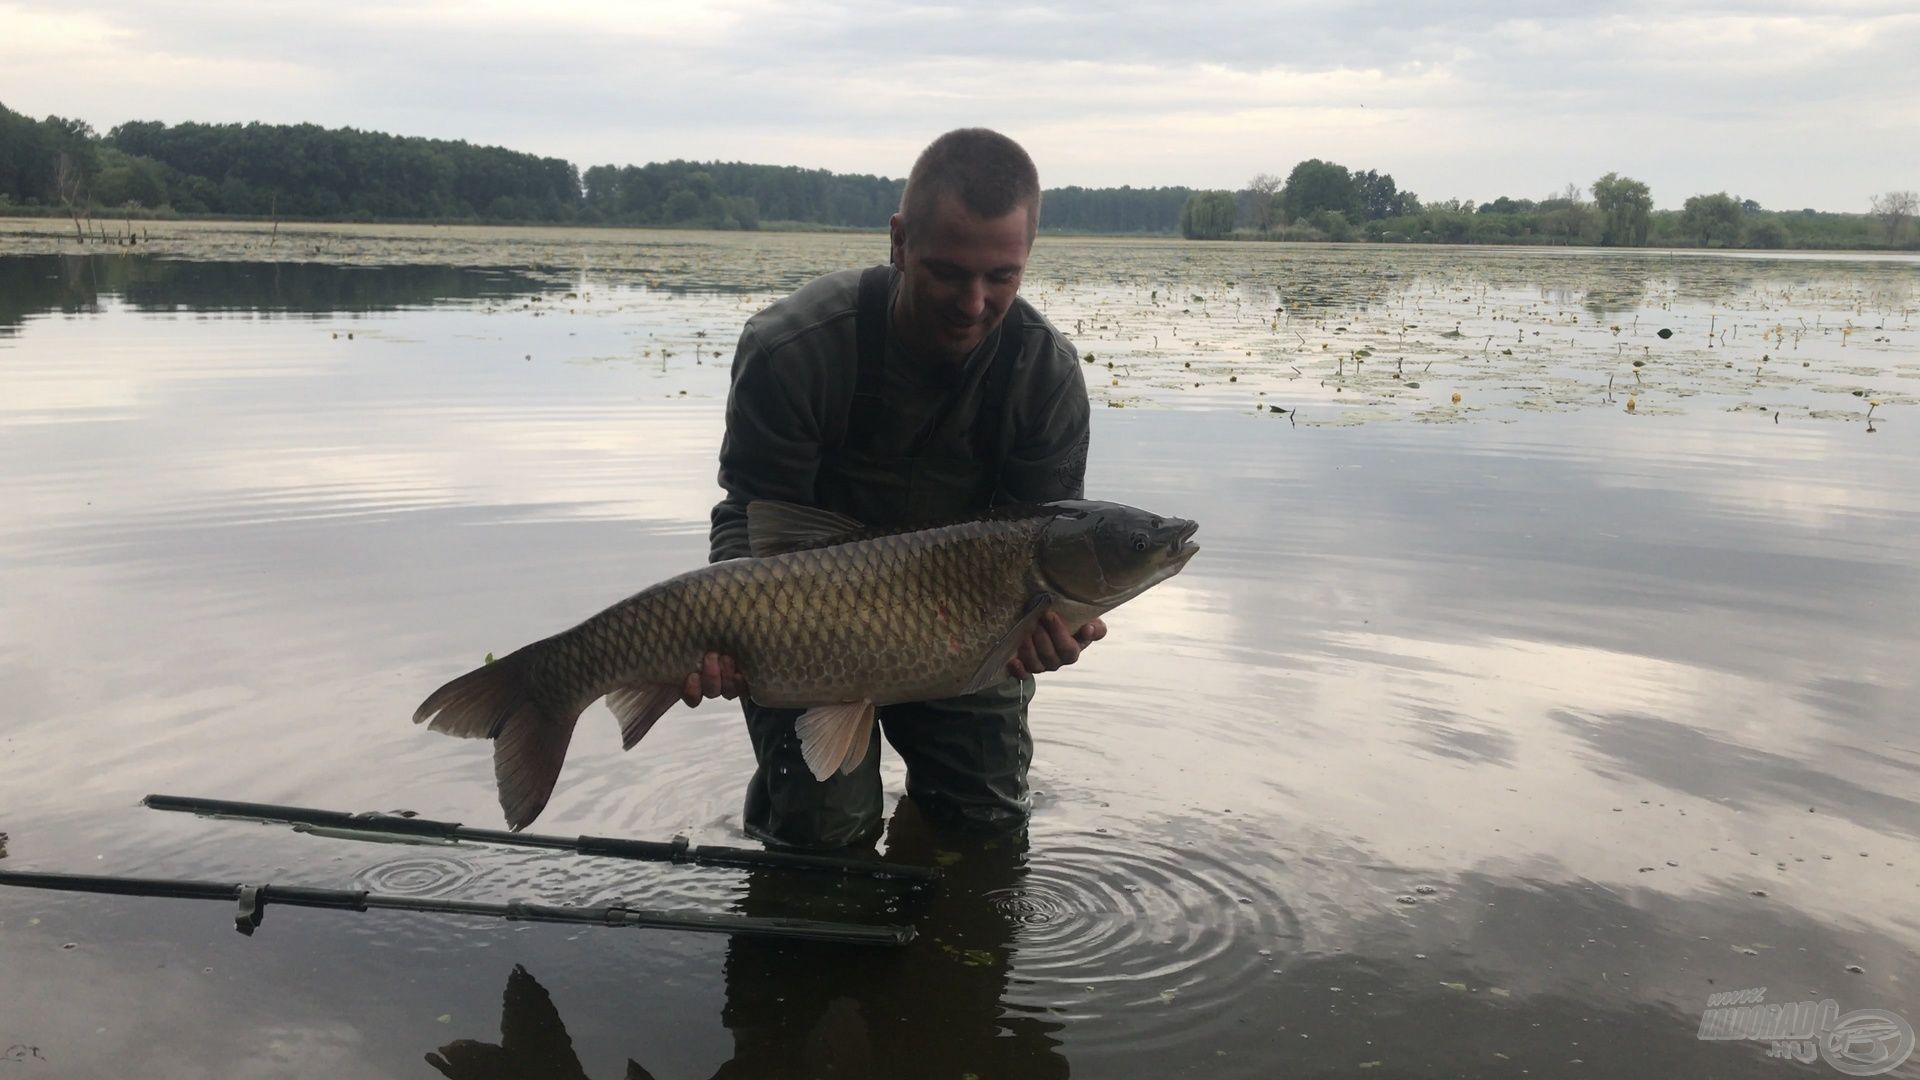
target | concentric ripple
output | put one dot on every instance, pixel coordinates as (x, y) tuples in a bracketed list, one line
[(417, 875), (1166, 940)]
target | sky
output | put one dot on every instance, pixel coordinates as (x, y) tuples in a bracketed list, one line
[(1791, 105)]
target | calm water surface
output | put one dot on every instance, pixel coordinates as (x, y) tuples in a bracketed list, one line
[(1483, 738)]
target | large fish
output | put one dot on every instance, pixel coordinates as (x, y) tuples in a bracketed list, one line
[(827, 616)]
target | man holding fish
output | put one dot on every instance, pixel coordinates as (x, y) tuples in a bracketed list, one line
[(903, 530), (961, 409)]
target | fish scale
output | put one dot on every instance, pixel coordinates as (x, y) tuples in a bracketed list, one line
[(843, 621)]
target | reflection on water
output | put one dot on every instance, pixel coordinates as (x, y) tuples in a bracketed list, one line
[(533, 1041), (801, 1011), (74, 284), (1484, 748)]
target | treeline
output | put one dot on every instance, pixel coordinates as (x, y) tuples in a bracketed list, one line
[(1320, 200), (284, 170), (305, 171), (733, 195), (294, 171)]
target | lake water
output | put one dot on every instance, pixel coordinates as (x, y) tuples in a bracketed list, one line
[(1483, 738)]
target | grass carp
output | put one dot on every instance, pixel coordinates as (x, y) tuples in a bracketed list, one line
[(826, 616)]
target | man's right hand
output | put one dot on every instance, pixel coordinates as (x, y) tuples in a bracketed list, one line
[(717, 677)]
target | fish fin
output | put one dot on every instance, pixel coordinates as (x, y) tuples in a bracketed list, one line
[(527, 755), (496, 701), (774, 527), (834, 738), (638, 706), (994, 668)]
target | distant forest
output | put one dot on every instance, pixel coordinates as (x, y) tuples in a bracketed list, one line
[(62, 167), (302, 171)]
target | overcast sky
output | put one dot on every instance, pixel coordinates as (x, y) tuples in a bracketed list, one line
[(1792, 105)]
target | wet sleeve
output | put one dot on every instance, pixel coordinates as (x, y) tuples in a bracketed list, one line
[(771, 449), (1048, 459)]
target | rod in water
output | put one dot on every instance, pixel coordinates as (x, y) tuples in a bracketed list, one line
[(426, 830), (253, 899)]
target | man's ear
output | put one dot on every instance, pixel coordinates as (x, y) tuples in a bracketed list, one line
[(897, 242)]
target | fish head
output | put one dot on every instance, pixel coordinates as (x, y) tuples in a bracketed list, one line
[(1103, 554)]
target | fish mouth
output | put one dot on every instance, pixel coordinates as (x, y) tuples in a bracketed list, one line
[(1182, 547)]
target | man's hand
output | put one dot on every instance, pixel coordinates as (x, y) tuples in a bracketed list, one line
[(717, 677), (1052, 647)]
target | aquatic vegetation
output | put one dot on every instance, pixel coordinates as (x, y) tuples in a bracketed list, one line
[(1362, 333)]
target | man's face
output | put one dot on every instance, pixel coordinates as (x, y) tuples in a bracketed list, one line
[(959, 274)]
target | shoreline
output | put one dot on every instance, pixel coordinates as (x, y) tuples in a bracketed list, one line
[(110, 231)]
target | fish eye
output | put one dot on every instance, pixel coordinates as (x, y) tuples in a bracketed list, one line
[(1140, 541)]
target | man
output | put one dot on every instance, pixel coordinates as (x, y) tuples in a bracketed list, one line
[(904, 395)]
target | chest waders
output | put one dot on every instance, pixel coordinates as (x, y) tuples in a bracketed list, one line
[(966, 757)]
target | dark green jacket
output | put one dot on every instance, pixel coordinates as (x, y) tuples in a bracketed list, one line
[(792, 390)]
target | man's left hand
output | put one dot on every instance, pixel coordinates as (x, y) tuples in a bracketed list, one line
[(1053, 646)]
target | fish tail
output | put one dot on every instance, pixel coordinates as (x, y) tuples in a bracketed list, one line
[(500, 701)]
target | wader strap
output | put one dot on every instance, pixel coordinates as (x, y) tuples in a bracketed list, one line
[(993, 399), (870, 329)]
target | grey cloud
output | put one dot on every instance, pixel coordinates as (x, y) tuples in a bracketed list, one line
[(1657, 90)]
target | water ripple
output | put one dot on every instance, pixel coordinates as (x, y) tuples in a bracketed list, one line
[(1105, 926), (417, 875)]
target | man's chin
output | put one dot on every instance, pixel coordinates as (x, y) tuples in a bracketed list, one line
[(959, 342)]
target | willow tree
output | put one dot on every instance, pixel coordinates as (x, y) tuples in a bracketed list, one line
[(1626, 210), (1208, 215)]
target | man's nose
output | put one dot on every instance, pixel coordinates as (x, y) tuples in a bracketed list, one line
[(973, 298)]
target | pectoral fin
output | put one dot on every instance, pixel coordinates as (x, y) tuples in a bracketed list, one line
[(834, 738), (638, 706), (994, 668), (774, 527)]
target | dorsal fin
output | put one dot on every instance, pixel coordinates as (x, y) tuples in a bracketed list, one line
[(774, 527)]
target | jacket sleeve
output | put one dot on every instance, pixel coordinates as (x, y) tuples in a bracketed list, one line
[(1048, 458), (771, 449)]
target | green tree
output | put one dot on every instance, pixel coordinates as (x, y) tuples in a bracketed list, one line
[(1711, 220), (1764, 232), (1316, 185), (1334, 224), (1626, 207), (1113, 210), (1565, 216), (1507, 205), (1376, 197), (1208, 215)]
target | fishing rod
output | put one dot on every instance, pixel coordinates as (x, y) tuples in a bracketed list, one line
[(252, 901), (401, 828)]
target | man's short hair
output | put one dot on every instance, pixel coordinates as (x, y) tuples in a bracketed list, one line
[(990, 173)]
